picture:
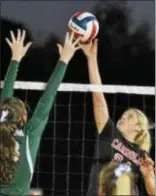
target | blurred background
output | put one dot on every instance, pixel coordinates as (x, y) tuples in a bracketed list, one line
[(126, 33), (126, 57)]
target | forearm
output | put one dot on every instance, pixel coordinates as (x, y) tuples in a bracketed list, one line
[(45, 103), (99, 102), (10, 77), (53, 85), (150, 184), (94, 75)]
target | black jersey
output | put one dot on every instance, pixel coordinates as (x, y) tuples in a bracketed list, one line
[(112, 146)]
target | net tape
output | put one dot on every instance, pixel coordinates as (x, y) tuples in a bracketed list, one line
[(72, 87)]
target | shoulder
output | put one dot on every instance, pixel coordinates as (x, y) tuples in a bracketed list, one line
[(109, 125), (109, 130)]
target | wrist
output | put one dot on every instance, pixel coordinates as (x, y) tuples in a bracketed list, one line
[(145, 176), (92, 63), (148, 175), (64, 59), (14, 58), (92, 59)]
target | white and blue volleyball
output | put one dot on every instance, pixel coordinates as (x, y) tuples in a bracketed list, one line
[(84, 25)]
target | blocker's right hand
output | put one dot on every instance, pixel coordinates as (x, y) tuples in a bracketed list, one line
[(16, 45), (70, 47)]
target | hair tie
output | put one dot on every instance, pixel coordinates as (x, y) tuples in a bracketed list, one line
[(121, 169), (4, 116)]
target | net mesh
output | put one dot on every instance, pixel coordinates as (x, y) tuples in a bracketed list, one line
[(67, 146)]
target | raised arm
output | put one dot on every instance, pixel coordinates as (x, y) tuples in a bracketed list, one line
[(101, 112), (18, 51), (43, 108), (9, 80)]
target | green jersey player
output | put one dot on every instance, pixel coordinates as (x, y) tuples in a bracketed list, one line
[(19, 137)]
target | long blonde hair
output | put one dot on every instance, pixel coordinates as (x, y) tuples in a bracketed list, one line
[(143, 139), (110, 184)]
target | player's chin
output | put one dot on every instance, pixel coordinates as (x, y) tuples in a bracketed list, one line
[(120, 127)]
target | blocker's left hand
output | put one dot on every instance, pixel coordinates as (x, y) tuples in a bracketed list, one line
[(16, 44)]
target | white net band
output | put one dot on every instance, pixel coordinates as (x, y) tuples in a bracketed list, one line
[(66, 154), (38, 86)]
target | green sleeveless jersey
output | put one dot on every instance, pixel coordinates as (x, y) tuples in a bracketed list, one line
[(29, 137)]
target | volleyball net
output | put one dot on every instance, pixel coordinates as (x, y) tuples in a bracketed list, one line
[(67, 147)]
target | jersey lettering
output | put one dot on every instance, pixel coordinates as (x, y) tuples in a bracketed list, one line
[(130, 154)]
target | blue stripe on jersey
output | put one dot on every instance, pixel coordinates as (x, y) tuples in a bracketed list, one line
[(82, 23)]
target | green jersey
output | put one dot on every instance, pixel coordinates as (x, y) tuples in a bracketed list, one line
[(29, 137)]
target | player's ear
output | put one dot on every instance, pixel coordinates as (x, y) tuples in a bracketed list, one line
[(138, 129)]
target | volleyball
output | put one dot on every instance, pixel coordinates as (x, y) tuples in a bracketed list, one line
[(84, 25)]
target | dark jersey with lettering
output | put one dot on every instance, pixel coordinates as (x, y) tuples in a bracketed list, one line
[(112, 146)]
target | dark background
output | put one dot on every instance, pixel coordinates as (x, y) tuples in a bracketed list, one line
[(67, 146)]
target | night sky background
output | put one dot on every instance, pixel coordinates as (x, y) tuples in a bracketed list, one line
[(126, 57)]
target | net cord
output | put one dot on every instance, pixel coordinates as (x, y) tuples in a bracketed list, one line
[(72, 87)]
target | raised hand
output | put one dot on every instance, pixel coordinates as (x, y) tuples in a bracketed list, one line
[(70, 47), (16, 45), (146, 166), (90, 49)]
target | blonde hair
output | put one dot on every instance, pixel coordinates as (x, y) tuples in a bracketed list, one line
[(143, 139), (110, 184)]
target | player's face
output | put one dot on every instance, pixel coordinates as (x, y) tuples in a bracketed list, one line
[(128, 122)]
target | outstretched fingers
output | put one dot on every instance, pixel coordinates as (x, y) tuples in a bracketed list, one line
[(8, 41), (71, 38), (13, 39), (27, 46), (67, 37), (77, 41), (18, 35), (59, 49), (23, 36)]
